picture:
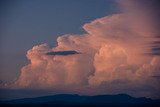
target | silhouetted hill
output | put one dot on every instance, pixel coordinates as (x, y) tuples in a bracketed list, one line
[(76, 100)]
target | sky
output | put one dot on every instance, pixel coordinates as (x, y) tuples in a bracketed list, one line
[(25, 23), (81, 47)]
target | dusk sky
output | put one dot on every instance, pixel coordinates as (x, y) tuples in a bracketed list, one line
[(87, 47), (25, 23)]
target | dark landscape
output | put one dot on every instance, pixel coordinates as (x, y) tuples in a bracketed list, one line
[(76, 100)]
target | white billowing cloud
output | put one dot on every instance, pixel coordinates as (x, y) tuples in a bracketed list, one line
[(105, 61), (47, 71), (111, 60)]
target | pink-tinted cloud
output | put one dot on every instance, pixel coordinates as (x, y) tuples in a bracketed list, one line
[(111, 60)]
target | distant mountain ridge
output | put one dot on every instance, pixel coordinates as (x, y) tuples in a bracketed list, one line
[(76, 100)]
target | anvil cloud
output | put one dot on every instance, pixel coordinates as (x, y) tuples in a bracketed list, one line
[(112, 60)]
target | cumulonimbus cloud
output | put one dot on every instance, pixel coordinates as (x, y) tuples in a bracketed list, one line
[(111, 60)]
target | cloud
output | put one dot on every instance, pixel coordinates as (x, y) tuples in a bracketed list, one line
[(112, 60), (145, 15), (68, 52)]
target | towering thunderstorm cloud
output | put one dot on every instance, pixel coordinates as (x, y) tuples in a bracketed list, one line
[(109, 59)]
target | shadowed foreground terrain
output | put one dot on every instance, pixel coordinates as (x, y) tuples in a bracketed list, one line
[(76, 100)]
